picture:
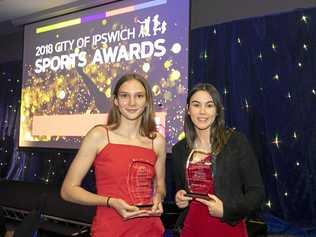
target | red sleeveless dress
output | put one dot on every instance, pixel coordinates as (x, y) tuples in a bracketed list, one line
[(111, 172), (198, 222)]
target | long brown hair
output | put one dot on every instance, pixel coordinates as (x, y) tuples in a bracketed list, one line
[(147, 126), (219, 135)]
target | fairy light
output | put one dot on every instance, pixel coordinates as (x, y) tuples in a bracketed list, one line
[(275, 174), (276, 77), (260, 56), (305, 46), (304, 19), (269, 204), (276, 140), (294, 135)]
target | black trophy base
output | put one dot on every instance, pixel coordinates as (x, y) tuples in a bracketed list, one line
[(197, 195), (145, 206)]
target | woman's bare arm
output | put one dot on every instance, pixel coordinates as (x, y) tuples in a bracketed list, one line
[(71, 189)]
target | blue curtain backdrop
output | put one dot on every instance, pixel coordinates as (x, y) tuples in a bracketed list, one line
[(265, 69)]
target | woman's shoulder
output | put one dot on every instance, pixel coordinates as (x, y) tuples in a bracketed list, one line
[(99, 128), (97, 132), (159, 143), (159, 139), (237, 140), (95, 139), (236, 136)]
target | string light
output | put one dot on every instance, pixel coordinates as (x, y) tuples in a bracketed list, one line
[(305, 46), (289, 95), (276, 77), (276, 140), (294, 135), (269, 204), (260, 56), (205, 55), (275, 174), (246, 104), (304, 19), (238, 40)]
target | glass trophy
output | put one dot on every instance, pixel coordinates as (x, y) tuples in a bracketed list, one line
[(198, 174), (140, 183)]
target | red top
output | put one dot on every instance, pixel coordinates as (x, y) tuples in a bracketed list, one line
[(111, 172), (198, 222)]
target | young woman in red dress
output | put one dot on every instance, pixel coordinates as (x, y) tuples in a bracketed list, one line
[(130, 135), (225, 171)]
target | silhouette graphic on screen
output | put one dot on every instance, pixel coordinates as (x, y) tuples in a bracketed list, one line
[(101, 101)]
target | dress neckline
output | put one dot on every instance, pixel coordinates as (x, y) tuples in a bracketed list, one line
[(129, 145)]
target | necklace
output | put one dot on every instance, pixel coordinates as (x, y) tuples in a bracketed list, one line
[(207, 148)]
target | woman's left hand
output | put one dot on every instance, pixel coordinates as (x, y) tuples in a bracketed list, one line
[(157, 208), (214, 204)]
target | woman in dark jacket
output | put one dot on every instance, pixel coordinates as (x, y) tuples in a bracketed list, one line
[(223, 170)]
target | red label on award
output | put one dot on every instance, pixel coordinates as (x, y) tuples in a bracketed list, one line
[(198, 174), (140, 182)]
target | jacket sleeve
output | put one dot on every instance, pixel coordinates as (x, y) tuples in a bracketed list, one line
[(242, 206)]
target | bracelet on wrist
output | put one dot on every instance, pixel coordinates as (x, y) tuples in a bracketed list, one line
[(108, 202)]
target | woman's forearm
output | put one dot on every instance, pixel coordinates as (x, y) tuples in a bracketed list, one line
[(79, 195)]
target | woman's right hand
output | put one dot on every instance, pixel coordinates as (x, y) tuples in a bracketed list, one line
[(125, 210), (182, 201)]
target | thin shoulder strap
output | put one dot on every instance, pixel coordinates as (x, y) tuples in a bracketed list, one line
[(107, 134), (152, 142)]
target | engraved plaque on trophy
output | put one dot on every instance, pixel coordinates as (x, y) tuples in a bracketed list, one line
[(198, 174), (140, 183)]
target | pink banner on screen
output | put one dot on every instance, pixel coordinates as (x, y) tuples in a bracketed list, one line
[(77, 125)]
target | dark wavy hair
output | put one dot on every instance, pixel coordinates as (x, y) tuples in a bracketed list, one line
[(219, 134), (147, 126)]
